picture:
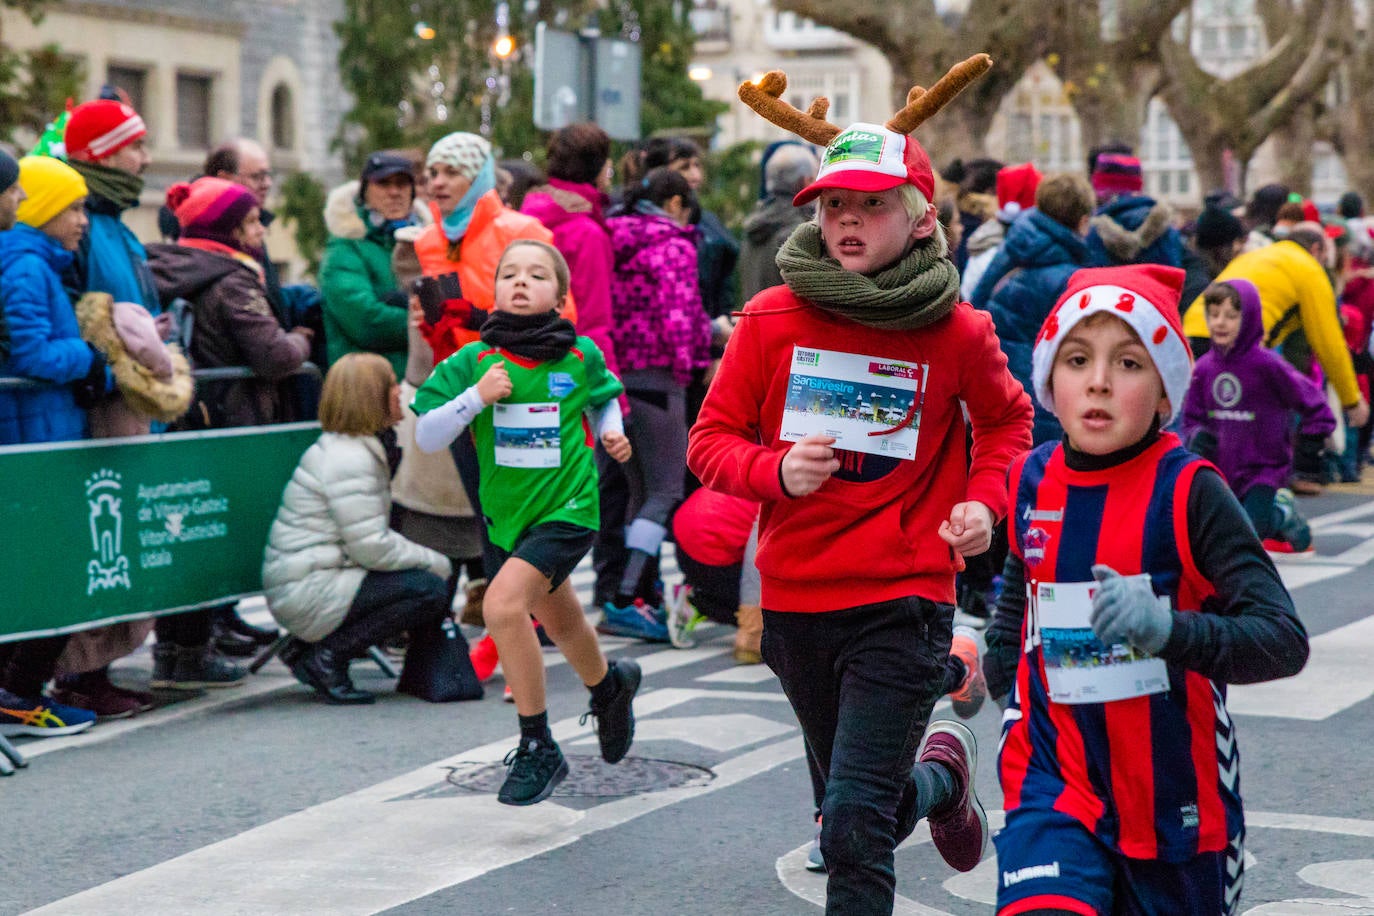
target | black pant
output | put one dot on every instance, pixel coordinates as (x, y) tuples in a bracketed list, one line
[(1258, 503), (863, 682), (26, 666), (715, 589), (386, 604), (189, 630)]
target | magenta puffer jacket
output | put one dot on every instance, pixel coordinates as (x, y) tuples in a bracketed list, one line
[(655, 296)]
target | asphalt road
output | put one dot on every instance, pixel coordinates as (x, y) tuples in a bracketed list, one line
[(262, 800)]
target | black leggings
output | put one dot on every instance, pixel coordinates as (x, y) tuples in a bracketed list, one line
[(26, 666)]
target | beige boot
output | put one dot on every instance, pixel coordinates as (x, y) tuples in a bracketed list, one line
[(472, 606), (749, 636)]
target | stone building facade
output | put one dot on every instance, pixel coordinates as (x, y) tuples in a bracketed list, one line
[(200, 73)]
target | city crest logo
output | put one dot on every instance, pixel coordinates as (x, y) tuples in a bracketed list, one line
[(109, 568)]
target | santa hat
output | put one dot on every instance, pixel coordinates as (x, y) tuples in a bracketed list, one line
[(867, 157), (1116, 173), (1016, 186), (101, 128), (1145, 296)]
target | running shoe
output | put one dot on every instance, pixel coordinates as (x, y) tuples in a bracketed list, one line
[(814, 860), (680, 617), (615, 721), (973, 690), (535, 768), (960, 829), (638, 621), (1292, 526), (41, 717)]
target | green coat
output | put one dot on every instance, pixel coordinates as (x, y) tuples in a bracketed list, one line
[(363, 309)]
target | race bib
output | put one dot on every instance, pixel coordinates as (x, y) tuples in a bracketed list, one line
[(869, 404), (527, 435), (1079, 668)]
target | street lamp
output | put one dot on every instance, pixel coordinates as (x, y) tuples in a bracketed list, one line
[(503, 47)]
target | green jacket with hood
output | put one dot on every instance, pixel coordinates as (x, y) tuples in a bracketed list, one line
[(363, 308)]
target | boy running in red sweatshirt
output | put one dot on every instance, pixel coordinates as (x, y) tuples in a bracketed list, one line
[(837, 406)]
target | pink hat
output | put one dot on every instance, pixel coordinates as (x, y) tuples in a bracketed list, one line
[(1145, 296), (210, 208), (101, 128), (866, 157), (1016, 186), (1117, 173)]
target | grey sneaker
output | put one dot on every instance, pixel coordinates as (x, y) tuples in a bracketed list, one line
[(814, 860), (1292, 527), (960, 831)]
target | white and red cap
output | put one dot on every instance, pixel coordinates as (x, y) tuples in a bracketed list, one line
[(101, 128), (1145, 296), (867, 157)]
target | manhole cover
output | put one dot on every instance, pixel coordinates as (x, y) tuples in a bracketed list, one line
[(592, 777)]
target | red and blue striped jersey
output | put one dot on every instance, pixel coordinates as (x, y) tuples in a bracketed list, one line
[(1153, 777)]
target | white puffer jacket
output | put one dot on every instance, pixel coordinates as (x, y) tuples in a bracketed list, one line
[(331, 529)]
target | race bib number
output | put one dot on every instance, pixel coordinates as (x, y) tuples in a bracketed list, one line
[(1079, 668), (527, 435), (869, 404)]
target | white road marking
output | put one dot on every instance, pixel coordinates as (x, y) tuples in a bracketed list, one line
[(740, 674), (410, 847), (719, 732), (1338, 675)]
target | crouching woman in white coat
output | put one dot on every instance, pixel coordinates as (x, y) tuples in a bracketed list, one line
[(335, 574)]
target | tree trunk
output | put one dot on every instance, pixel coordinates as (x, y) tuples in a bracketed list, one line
[(1356, 122), (922, 45), (1293, 150)]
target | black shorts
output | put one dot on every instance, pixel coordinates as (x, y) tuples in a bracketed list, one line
[(553, 548)]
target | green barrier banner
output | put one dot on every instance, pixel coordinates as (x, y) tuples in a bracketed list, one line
[(104, 530)]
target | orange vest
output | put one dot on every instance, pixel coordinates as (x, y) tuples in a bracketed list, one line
[(493, 227)]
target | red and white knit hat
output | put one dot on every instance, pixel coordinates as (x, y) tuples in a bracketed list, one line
[(1145, 296), (101, 128)]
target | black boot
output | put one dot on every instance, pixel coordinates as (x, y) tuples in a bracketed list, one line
[(164, 665), (232, 643), (228, 619), (327, 672)]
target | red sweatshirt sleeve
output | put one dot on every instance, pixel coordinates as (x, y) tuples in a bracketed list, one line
[(1000, 412), (723, 449)]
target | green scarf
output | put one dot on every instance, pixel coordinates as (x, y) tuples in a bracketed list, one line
[(918, 290), (115, 185)]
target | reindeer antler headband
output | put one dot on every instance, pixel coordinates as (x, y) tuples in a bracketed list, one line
[(864, 157), (765, 97)]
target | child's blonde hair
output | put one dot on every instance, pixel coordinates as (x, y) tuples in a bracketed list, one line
[(356, 399), (560, 265), (916, 206)]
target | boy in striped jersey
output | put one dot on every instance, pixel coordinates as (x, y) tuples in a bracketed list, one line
[(1135, 591)]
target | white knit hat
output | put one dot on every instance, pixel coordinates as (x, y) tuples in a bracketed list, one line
[(1145, 296), (465, 152)]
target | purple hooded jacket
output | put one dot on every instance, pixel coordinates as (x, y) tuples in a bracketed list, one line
[(572, 212), (655, 297), (1245, 396)]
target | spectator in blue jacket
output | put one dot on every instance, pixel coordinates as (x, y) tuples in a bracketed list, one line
[(1026, 277), (105, 142), (1129, 227), (11, 196), (45, 342), (46, 345)]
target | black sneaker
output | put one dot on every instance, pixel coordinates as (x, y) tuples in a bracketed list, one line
[(536, 769), (615, 722)]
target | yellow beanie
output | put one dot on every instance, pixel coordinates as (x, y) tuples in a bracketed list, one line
[(52, 186)]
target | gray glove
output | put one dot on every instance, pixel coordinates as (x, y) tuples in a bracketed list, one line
[(1127, 611)]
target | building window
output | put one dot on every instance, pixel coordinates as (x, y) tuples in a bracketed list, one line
[(193, 110), (1019, 138), (283, 119), (1184, 181), (134, 82)]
